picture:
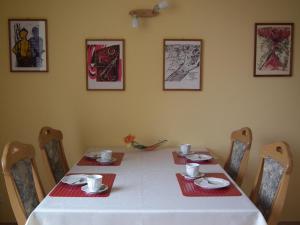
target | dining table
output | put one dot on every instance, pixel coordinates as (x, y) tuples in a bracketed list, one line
[(147, 188)]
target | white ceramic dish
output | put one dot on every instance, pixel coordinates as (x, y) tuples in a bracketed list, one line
[(93, 155), (103, 188), (192, 178), (105, 161), (211, 183), (184, 155), (74, 179), (198, 157)]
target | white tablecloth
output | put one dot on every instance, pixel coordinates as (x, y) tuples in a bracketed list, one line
[(146, 192)]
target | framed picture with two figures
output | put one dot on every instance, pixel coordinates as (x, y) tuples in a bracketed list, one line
[(273, 50), (28, 45), (105, 64)]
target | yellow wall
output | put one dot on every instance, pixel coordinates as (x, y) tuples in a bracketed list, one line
[(231, 96)]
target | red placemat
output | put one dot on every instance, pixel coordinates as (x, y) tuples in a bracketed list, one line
[(85, 161), (65, 190), (180, 160), (188, 188)]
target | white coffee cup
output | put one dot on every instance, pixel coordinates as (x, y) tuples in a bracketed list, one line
[(192, 169), (185, 148), (106, 155), (94, 182)]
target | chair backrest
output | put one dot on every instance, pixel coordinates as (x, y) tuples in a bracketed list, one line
[(50, 141), (22, 180), (272, 180), (237, 161)]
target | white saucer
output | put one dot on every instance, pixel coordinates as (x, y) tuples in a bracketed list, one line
[(198, 157), (74, 179), (211, 183), (184, 155), (192, 178), (101, 161), (103, 188), (93, 155)]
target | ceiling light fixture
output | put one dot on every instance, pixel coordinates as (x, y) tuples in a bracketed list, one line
[(135, 21), (137, 13)]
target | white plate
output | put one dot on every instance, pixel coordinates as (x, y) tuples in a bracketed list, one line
[(74, 179), (198, 157), (192, 178), (211, 182), (100, 160), (183, 155), (93, 155), (103, 188)]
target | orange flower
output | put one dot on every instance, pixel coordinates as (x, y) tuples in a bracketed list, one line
[(129, 138)]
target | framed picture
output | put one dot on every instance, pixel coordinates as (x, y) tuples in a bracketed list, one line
[(182, 64), (105, 64), (28, 45), (273, 49)]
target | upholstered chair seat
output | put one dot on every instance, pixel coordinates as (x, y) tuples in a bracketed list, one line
[(237, 160), (21, 179), (53, 150), (238, 151), (50, 141), (271, 183)]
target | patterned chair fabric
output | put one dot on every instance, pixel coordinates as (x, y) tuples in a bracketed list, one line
[(238, 151), (272, 173), (53, 151), (23, 177)]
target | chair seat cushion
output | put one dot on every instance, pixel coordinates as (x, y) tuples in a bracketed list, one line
[(23, 177)]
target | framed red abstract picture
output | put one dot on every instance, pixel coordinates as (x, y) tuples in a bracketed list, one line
[(105, 64), (273, 49), (28, 45)]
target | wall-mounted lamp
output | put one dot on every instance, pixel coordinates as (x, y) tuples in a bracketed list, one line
[(137, 13)]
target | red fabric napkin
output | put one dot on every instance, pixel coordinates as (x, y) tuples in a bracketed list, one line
[(85, 161), (180, 160), (65, 190), (188, 188)]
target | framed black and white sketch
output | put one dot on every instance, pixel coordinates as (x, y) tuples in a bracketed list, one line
[(182, 64), (28, 45)]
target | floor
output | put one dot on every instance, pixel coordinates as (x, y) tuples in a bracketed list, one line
[(8, 224), (290, 223)]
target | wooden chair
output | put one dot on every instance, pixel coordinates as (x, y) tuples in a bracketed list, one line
[(22, 180), (237, 161), (50, 141), (272, 180)]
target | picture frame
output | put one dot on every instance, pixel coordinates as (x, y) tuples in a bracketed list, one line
[(182, 64), (28, 45), (105, 64), (273, 49)]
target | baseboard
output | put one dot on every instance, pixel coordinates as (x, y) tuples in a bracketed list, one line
[(281, 223)]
